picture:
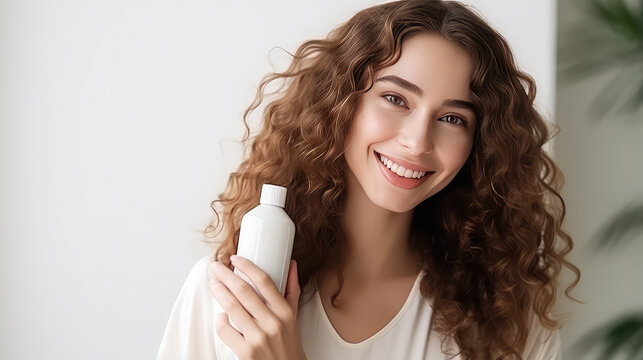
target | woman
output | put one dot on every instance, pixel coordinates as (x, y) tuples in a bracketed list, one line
[(428, 216)]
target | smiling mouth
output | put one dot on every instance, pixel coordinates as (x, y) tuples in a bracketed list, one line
[(418, 173)]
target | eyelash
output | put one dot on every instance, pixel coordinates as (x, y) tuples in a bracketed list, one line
[(448, 122)]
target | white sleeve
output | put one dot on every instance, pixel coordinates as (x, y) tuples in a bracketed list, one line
[(542, 343), (190, 330)]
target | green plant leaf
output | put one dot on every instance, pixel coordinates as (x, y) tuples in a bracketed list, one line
[(636, 348), (626, 222), (609, 38), (618, 17), (616, 90), (619, 336), (589, 64), (636, 101), (619, 333)]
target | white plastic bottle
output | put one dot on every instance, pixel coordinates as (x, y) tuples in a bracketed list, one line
[(266, 237)]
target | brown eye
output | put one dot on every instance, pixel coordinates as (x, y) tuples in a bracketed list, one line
[(394, 102), (455, 120)]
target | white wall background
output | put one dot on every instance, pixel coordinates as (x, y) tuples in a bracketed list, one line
[(112, 116)]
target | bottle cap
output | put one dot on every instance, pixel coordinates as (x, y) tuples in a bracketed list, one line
[(273, 195)]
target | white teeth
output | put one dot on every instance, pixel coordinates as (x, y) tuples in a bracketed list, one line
[(400, 170)]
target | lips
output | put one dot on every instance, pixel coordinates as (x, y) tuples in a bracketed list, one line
[(405, 164), (397, 180)]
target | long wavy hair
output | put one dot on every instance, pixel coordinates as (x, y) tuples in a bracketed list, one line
[(491, 240)]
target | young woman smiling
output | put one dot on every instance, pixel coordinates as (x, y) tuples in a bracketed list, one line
[(428, 215)]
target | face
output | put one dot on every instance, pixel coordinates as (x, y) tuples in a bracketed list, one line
[(417, 118)]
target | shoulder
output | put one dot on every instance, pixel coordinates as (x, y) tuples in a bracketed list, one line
[(542, 343), (198, 275), (189, 333), (195, 288)]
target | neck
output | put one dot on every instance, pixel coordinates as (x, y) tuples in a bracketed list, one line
[(378, 240)]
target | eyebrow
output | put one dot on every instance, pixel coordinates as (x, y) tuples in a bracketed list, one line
[(405, 84)]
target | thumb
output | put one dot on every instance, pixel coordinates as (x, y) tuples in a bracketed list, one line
[(292, 287)]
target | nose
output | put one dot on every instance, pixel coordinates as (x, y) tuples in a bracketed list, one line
[(416, 135)]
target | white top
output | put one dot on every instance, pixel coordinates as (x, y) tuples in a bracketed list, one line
[(190, 332)]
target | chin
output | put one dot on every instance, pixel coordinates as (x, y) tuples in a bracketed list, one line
[(394, 206)]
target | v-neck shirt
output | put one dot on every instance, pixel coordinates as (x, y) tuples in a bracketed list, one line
[(190, 332), (323, 316)]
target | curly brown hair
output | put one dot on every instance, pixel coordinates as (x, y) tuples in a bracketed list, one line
[(492, 239)]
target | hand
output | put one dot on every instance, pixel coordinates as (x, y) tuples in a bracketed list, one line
[(268, 330)]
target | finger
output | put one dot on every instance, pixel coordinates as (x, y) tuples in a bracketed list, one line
[(293, 290), (246, 295), (262, 281), (232, 306), (229, 334)]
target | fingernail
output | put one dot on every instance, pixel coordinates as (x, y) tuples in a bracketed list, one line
[(233, 257)]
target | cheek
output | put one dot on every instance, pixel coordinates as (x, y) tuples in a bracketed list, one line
[(454, 150), (374, 125)]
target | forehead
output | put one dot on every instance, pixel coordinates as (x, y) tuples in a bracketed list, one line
[(439, 67)]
